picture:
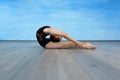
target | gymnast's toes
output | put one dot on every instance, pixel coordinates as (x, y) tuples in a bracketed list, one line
[(89, 46)]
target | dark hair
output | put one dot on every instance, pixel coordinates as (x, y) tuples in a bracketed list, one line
[(54, 39)]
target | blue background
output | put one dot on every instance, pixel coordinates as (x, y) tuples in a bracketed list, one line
[(82, 19)]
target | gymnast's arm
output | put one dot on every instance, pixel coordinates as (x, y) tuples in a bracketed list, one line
[(53, 31)]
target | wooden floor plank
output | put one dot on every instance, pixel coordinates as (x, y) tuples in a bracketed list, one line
[(29, 61)]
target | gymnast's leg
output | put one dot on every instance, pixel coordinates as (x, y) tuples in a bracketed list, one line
[(68, 45)]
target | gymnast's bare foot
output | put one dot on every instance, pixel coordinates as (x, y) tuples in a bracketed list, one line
[(86, 45)]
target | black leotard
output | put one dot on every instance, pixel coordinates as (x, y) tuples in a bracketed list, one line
[(42, 40)]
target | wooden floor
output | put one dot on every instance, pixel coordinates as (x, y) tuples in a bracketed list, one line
[(29, 61)]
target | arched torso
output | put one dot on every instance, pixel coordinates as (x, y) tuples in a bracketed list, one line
[(41, 36)]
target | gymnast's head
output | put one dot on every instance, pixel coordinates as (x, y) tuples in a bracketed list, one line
[(55, 38)]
